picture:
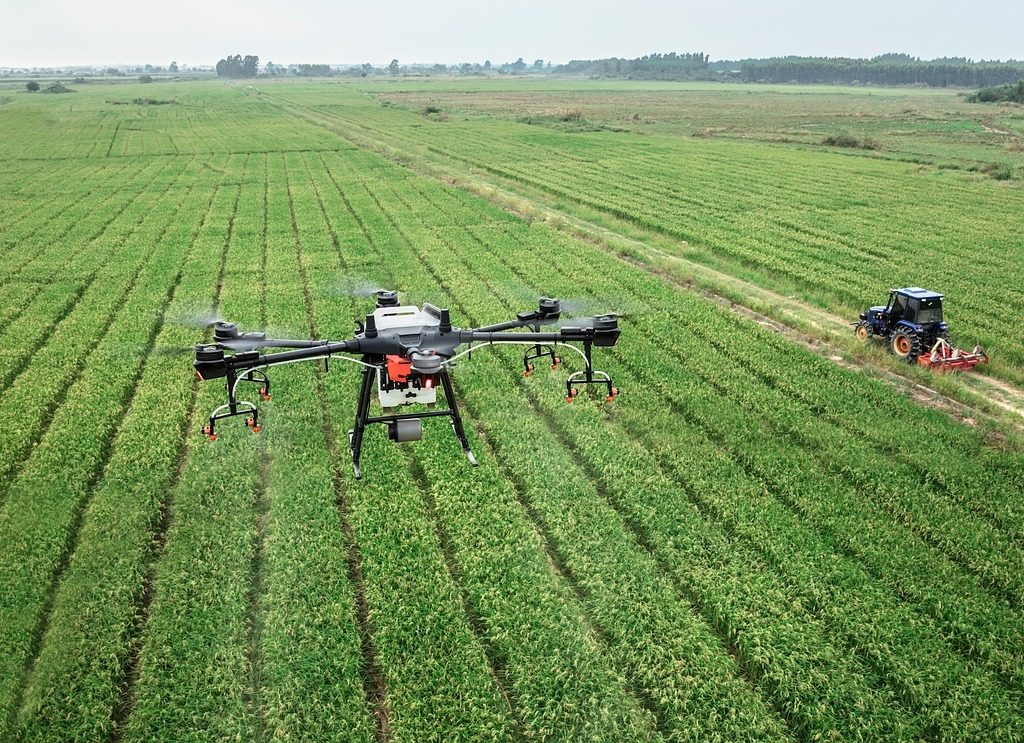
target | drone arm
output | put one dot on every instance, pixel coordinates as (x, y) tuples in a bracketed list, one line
[(288, 343), (314, 350), (212, 363), (597, 336)]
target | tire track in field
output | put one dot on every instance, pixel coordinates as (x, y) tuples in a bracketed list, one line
[(107, 449), (473, 620), (374, 683), (552, 556), (261, 504), (130, 669), (10, 467)]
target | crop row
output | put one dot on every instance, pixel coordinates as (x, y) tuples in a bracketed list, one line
[(42, 513), (192, 673), (97, 257), (532, 624), (424, 644), (781, 234), (490, 270), (925, 572), (784, 657), (38, 390), (49, 237), (74, 690), (45, 374)]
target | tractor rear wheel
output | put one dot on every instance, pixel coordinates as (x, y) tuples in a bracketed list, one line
[(863, 331), (906, 344)]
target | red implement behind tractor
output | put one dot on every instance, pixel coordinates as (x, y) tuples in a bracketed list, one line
[(944, 357)]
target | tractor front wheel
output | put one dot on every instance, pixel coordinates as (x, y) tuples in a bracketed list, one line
[(863, 331), (906, 344)]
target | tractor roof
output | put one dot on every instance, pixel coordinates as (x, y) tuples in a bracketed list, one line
[(918, 293)]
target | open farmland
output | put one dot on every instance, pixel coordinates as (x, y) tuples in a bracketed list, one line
[(751, 543)]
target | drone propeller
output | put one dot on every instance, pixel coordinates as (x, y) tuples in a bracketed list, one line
[(173, 350), (200, 319)]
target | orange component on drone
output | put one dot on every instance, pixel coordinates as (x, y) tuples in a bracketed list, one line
[(398, 368)]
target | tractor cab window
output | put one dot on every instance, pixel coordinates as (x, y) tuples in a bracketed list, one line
[(930, 311), (899, 309)]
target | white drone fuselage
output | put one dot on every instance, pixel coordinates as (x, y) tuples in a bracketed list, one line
[(408, 321)]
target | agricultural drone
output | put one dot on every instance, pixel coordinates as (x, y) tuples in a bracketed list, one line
[(405, 352)]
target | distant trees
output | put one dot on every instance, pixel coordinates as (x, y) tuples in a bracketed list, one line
[(32, 86), (393, 67), (313, 70), (671, 66), (172, 67), (238, 66), (886, 69)]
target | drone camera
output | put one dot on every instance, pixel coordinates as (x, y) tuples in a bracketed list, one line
[(210, 363), (405, 429)]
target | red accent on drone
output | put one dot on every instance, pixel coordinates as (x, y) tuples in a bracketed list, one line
[(399, 368)]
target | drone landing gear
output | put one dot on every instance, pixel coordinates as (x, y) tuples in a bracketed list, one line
[(402, 426), (579, 379), (234, 406), (539, 352)]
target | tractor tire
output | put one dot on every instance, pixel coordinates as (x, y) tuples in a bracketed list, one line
[(905, 344), (863, 331)]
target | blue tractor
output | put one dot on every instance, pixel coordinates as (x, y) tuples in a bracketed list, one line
[(911, 323)]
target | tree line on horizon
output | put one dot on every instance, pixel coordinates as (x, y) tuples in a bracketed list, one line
[(885, 69)]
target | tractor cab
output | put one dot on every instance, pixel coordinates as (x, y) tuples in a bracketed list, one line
[(914, 305)]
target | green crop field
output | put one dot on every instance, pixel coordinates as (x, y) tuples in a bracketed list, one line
[(768, 535)]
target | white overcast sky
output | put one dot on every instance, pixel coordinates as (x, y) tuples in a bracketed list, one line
[(197, 32)]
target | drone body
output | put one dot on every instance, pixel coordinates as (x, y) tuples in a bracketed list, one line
[(406, 353)]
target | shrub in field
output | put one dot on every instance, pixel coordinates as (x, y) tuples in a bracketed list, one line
[(848, 140)]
